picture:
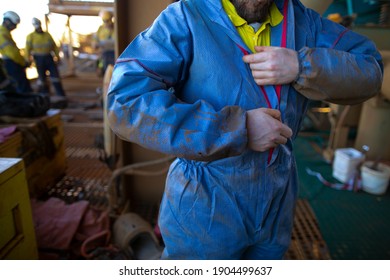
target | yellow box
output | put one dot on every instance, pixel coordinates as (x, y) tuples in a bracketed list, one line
[(40, 143), (17, 235), (12, 146)]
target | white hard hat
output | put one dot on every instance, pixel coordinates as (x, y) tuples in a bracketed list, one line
[(12, 16), (36, 22)]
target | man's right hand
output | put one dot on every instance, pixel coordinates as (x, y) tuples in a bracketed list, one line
[(265, 129)]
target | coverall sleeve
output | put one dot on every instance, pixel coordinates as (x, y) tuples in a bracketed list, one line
[(144, 104), (343, 68)]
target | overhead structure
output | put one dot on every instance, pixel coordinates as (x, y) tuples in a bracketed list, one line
[(80, 7)]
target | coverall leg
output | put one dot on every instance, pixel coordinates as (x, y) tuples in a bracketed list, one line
[(17, 75)]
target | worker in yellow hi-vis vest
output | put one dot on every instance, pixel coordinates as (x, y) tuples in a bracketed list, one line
[(13, 62), (104, 42), (41, 48)]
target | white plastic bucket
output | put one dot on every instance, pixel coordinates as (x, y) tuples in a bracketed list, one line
[(375, 181), (345, 163)]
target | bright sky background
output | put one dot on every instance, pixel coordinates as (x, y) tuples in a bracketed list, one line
[(27, 9)]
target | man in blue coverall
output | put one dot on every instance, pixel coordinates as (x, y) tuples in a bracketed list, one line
[(224, 86)]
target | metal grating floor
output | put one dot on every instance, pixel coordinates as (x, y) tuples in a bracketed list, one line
[(72, 189), (81, 135), (86, 175), (83, 155), (306, 242)]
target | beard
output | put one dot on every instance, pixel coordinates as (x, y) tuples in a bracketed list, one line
[(252, 10)]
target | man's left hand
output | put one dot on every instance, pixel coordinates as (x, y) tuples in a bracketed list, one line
[(273, 65)]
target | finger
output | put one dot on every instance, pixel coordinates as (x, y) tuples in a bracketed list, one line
[(265, 48), (265, 82), (286, 131), (262, 73), (260, 66), (254, 58), (248, 58), (280, 140), (273, 113)]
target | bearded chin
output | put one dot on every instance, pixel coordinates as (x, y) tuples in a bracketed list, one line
[(253, 15), (259, 16)]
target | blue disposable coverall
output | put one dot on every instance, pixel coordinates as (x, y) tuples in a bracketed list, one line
[(182, 88)]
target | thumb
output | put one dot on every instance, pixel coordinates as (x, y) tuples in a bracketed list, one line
[(273, 113)]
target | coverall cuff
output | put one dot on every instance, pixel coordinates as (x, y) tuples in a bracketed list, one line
[(302, 64)]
